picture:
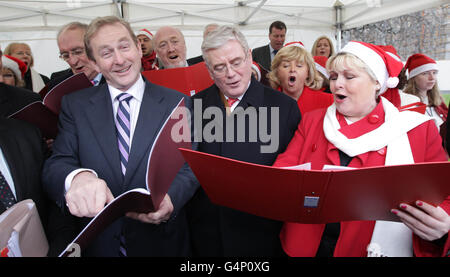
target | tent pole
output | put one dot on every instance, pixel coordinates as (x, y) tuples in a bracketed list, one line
[(338, 23)]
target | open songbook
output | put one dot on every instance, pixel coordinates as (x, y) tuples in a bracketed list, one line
[(44, 114)]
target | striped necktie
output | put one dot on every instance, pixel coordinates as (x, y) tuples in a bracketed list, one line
[(123, 140), (123, 129)]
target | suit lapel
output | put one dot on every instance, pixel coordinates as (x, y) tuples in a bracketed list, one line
[(152, 114), (102, 123)]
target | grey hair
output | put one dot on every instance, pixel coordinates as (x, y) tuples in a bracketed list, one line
[(221, 36), (72, 26)]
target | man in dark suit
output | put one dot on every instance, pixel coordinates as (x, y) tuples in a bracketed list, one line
[(217, 230), (88, 168), (22, 154), (70, 40), (265, 54)]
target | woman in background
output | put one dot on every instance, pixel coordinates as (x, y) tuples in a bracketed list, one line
[(33, 80), (323, 46), (422, 82), (294, 73)]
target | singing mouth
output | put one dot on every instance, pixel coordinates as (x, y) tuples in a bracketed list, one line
[(292, 80)]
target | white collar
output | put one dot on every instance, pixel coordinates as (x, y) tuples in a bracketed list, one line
[(136, 90)]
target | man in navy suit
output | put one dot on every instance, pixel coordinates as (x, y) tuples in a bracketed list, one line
[(265, 54), (86, 170)]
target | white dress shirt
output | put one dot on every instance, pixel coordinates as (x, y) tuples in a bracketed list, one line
[(4, 168), (137, 91)]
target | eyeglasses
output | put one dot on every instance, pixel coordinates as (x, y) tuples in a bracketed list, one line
[(75, 52), (221, 69), (8, 75)]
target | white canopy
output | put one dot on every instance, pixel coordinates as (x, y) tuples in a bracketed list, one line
[(36, 22)]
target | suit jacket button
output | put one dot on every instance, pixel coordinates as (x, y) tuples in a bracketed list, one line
[(314, 147), (373, 119)]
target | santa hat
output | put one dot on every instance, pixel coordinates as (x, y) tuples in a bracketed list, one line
[(390, 50), (256, 67), (17, 66), (321, 62), (146, 33), (419, 63), (385, 66), (295, 43)]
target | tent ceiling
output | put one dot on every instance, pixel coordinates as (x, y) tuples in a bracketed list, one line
[(195, 14)]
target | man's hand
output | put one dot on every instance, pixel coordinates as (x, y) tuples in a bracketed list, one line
[(157, 217), (87, 195)]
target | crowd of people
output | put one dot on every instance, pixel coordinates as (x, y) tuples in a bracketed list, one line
[(330, 107)]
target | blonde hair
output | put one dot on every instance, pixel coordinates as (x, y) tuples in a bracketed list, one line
[(434, 95), (314, 47), (10, 48), (343, 60), (294, 53), (17, 82)]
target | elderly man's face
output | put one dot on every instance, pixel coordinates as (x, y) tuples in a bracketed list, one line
[(231, 68), (170, 47), (71, 45)]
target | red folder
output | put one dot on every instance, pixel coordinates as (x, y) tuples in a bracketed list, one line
[(314, 196), (45, 114), (164, 162), (188, 80), (416, 107)]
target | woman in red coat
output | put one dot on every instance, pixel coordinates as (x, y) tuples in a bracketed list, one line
[(363, 129), (294, 73)]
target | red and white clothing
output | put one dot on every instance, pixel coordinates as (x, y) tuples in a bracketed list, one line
[(311, 100), (310, 144), (149, 62)]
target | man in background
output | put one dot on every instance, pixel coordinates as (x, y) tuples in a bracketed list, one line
[(208, 29), (70, 40), (265, 54), (170, 48), (148, 54)]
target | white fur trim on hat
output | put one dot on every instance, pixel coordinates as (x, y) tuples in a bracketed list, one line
[(258, 71), (373, 60), (420, 69), (322, 70), (146, 33), (12, 65)]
